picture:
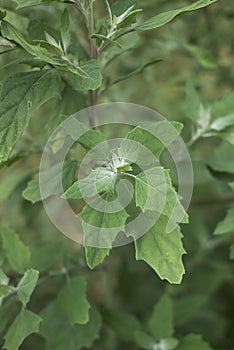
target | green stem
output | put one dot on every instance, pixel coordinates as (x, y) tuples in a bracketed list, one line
[(92, 95)]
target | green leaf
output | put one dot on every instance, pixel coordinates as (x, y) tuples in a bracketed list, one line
[(151, 189), (9, 183), (222, 123), (227, 225), (193, 342), (88, 74), (17, 253), (72, 302), (65, 30), (95, 256), (27, 285), (4, 289), (192, 103), (162, 251), (99, 180), (102, 222), (222, 158), (166, 17), (27, 3), (3, 278), (135, 71), (25, 324), (122, 323), (2, 15), (161, 322), (223, 107), (22, 94), (232, 252), (51, 178), (145, 341), (60, 334), (165, 131)]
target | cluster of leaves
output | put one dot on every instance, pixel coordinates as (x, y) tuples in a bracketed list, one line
[(49, 70)]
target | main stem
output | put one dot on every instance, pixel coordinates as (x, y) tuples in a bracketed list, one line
[(92, 94)]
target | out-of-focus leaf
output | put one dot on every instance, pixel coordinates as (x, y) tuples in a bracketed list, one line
[(227, 225), (26, 285), (17, 253), (25, 324), (193, 342)]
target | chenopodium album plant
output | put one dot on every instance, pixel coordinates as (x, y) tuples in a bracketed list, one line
[(71, 71)]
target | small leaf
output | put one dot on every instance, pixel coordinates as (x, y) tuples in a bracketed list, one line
[(17, 253), (193, 342), (161, 323), (72, 302), (95, 256), (3, 278), (22, 94), (26, 285), (192, 103), (122, 323), (166, 17), (2, 14), (25, 324), (98, 181), (162, 251), (227, 225)]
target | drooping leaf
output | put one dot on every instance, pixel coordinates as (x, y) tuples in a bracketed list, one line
[(26, 285), (165, 17), (222, 158), (25, 324), (102, 220), (99, 180), (95, 256), (122, 323), (22, 94), (162, 251), (161, 322), (226, 225), (193, 342), (72, 302), (17, 253)]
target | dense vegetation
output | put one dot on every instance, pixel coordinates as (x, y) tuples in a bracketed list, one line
[(59, 57)]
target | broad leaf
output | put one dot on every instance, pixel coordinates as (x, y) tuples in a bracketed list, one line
[(10, 182), (102, 220), (17, 253), (162, 251), (193, 342), (222, 158), (95, 256), (72, 302), (227, 225), (60, 334), (51, 178), (99, 180), (26, 285), (122, 323), (22, 94), (161, 323), (192, 103), (27, 3), (166, 17), (161, 135), (25, 324), (145, 341)]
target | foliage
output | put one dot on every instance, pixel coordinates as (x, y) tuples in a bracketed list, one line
[(58, 57)]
